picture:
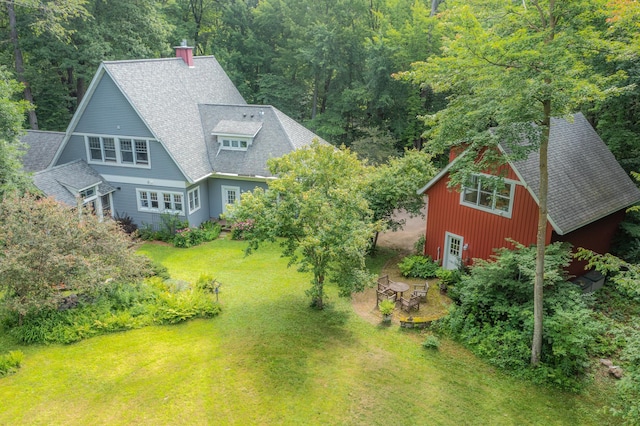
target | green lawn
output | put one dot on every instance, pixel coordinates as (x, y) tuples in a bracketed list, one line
[(269, 359)]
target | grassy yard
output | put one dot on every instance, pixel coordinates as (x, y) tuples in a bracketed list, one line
[(269, 359)]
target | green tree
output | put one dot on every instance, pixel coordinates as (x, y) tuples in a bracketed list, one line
[(317, 211), (46, 247), (393, 186), (506, 65), (12, 115)]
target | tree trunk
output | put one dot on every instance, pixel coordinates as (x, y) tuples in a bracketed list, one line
[(80, 90), (13, 28), (538, 298), (434, 7), (318, 301)]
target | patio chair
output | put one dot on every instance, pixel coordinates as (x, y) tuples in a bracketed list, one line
[(385, 295), (408, 304), (383, 283), (421, 290)]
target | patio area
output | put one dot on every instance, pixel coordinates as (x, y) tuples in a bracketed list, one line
[(364, 303)]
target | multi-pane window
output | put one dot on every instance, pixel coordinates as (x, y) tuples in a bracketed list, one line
[(126, 151), (194, 199), (484, 193), (114, 150), (95, 148), (109, 149), (237, 144), (160, 201)]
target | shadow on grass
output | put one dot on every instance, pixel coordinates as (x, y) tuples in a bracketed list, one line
[(288, 341)]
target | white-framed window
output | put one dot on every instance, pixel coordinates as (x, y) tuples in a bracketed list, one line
[(117, 150), (234, 143), (194, 199), (483, 193), (160, 201), (230, 195)]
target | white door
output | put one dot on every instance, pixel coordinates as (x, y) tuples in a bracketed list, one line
[(452, 251), (230, 194)]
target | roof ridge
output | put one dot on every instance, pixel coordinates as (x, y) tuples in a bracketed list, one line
[(172, 58), (277, 114)]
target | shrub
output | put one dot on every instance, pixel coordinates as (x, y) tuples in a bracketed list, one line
[(210, 230), (418, 267), (494, 317), (10, 362), (126, 223), (418, 246), (207, 283), (239, 229), (119, 306), (448, 278), (431, 342)]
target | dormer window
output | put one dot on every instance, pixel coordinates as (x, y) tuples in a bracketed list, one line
[(236, 135), (235, 144)]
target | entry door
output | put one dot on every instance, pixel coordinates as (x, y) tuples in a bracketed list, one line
[(452, 251), (230, 195)]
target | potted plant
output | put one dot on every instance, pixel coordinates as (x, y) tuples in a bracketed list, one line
[(386, 308)]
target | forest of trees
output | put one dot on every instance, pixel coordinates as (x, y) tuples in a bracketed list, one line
[(328, 63)]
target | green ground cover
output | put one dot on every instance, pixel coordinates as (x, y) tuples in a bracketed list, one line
[(269, 359)]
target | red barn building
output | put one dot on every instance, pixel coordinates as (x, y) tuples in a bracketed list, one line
[(588, 195)]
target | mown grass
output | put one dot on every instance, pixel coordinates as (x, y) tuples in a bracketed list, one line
[(269, 359)]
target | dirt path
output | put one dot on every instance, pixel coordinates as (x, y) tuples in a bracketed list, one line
[(364, 303)]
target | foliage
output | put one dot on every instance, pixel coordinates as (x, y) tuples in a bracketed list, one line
[(238, 229), (418, 246), (628, 404), (448, 278), (431, 342), (418, 267), (126, 223), (507, 70), (10, 362), (386, 307), (118, 306), (46, 248), (493, 316), (270, 343), (394, 185), (12, 113), (316, 208), (207, 283), (189, 237), (625, 275)]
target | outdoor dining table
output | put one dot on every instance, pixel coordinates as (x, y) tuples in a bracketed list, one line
[(399, 287)]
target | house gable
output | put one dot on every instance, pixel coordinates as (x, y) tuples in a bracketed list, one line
[(588, 188)]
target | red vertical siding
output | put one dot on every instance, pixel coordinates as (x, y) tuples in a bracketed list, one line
[(596, 236), (482, 231)]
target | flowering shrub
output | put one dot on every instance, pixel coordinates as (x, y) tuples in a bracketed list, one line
[(238, 229)]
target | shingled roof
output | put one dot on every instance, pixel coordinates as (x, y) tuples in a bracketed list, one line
[(275, 135), (40, 147), (166, 94), (64, 182), (586, 183)]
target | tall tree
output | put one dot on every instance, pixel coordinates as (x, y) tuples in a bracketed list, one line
[(504, 66), (12, 113), (45, 17), (317, 210)]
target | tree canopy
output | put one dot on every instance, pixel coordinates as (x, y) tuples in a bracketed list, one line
[(318, 213), (46, 248), (504, 67)]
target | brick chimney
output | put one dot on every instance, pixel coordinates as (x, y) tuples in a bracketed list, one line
[(185, 52)]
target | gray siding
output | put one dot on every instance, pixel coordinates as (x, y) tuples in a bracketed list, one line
[(215, 193), (125, 202), (108, 112), (201, 215), (162, 165)]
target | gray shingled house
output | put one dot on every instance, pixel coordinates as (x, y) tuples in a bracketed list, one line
[(587, 197), (162, 136)]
